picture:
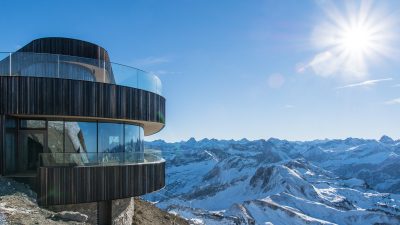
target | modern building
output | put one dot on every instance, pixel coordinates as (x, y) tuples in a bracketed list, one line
[(72, 124)]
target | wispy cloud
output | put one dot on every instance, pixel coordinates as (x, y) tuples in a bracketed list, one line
[(393, 101), (365, 83), (150, 61), (396, 85)]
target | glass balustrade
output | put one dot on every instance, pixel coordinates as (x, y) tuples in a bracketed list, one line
[(77, 68), (99, 159)]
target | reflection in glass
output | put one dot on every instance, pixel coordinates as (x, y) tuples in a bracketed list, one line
[(10, 151), (110, 137), (132, 138), (5, 64), (110, 142), (55, 136), (77, 68), (133, 144), (33, 124), (10, 122), (80, 137), (31, 144)]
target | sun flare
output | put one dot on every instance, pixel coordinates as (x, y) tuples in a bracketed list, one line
[(351, 39), (357, 39)]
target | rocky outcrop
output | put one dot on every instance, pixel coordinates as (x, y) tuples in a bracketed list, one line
[(123, 211), (148, 214), (18, 206), (70, 216)]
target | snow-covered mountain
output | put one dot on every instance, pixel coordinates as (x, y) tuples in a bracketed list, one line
[(351, 181)]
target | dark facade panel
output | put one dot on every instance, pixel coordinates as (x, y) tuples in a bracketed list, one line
[(72, 185), (38, 96), (66, 46), (2, 142)]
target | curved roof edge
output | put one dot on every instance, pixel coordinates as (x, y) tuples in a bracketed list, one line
[(66, 46)]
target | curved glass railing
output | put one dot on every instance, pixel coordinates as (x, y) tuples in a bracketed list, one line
[(77, 68), (99, 159)]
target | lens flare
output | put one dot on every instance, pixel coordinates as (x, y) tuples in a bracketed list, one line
[(354, 37)]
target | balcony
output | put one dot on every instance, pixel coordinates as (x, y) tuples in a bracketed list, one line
[(71, 178), (32, 64), (99, 159)]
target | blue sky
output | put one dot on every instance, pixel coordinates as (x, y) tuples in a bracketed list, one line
[(243, 69)]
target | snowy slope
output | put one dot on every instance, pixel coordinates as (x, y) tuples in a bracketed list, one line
[(351, 181)]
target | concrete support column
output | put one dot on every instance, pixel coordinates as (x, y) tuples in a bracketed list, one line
[(104, 213)]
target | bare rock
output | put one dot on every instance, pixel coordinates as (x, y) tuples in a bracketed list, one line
[(70, 216)]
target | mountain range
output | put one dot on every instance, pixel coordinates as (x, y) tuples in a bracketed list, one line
[(350, 181)]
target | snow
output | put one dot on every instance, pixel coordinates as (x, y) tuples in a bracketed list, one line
[(213, 156), (282, 182)]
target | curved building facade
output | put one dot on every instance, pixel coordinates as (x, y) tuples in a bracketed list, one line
[(72, 123)]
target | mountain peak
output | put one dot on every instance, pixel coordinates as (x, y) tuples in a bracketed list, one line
[(386, 139), (191, 140)]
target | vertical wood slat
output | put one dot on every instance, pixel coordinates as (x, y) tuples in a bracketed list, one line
[(2, 143), (72, 185), (63, 97), (66, 46)]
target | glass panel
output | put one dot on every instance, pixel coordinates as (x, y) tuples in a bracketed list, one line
[(79, 68), (110, 137), (141, 139), (146, 81), (34, 64), (33, 124), (55, 136), (125, 75), (10, 151), (30, 145), (4, 64), (80, 137), (159, 85), (132, 138), (81, 159), (11, 122)]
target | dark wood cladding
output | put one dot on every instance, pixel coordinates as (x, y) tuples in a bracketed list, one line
[(71, 185), (66, 46), (38, 96), (2, 143)]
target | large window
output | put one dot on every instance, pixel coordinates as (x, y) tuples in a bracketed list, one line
[(80, 137), (33, 124), (10, 147), (134, 142), (111, 137), (55, 136), (10, 152), (132, 138), (10, 123), (25, 139)]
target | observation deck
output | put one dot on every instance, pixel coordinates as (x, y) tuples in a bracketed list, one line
[(45, 84), (68, 178), (73, 121)]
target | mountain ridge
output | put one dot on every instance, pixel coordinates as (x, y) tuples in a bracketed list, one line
[(282, 182)]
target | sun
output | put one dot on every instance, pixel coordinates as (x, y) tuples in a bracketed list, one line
[(351, 39), (357, 40)]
